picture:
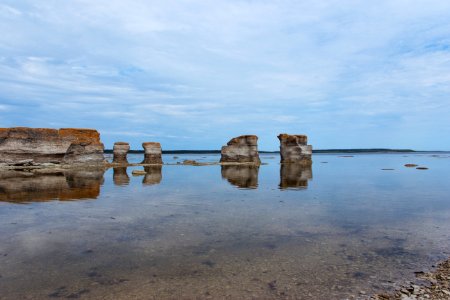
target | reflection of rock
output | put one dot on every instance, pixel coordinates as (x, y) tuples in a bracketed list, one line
[(120, 176), (243, 176), (66, 185), (153, 176), (294, 176), (120, 151), (67, 145), (152, 153), (241, 149), (294, 149)]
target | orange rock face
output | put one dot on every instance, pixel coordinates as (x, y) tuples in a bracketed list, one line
[(66, 145), (241, 149)]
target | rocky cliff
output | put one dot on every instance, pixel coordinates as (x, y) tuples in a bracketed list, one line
[(241, 149), (66, 145), (294, 149)]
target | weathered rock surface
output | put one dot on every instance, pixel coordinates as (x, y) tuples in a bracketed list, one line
[(242, 176), (120, 151), (19, 187), (295, 176), (294, 149), (44, 145), (152, 153), (241, 149)]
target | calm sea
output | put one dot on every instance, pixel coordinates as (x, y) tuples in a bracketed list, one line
[(343, 227)]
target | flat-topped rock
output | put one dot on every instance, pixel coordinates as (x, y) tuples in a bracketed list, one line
[(241, 149), (45, 145), (294, 149), (152, 153), (120, 151)]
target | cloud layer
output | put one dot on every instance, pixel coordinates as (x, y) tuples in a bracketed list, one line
[(192, 74)]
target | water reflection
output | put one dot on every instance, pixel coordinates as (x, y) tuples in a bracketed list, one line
[(294, 176), (153, 176), (242, 176), (120, 176), (22, 187)]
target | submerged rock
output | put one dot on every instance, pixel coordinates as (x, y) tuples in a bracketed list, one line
[(294, 149), (138, 172), (45, 145), (411, 165), (120, 151), (152, 153), (241, 149)]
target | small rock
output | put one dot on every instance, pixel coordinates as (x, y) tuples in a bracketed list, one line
[(410, 165), (422, 168), (138, 172)]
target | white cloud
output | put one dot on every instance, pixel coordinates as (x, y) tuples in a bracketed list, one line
[(212, 67)]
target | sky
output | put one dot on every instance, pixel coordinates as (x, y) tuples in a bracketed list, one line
[(194, 74)]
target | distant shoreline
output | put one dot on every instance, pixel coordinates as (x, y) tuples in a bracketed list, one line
[(374, 150)]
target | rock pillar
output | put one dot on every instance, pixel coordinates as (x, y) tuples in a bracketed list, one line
[(152, 153), (120, 151), (294, 149), (241, 149)]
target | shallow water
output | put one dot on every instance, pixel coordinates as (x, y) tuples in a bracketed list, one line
[(343, 227)]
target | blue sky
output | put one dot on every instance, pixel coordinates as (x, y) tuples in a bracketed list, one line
[(193, 74)]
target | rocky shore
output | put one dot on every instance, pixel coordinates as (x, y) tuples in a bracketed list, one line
[(431, 285)]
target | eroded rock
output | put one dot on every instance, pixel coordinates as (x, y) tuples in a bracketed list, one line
[(152, 153), (241, 149), (120, 151), (294, 149), (45, 145)]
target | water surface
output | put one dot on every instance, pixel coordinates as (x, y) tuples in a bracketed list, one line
[(343, 227)]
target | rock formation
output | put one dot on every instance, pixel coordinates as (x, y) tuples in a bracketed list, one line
[(241, 149), (242, 176), (120, 176), (294, 149), (152, 153), (153, 175), (295, 176), (67, 185), (44, 145), (120, 151)]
